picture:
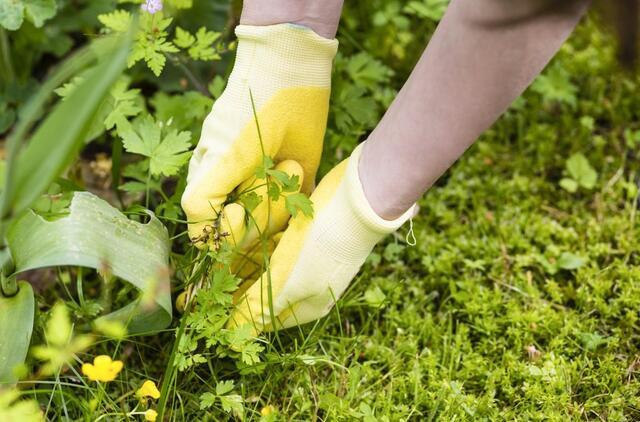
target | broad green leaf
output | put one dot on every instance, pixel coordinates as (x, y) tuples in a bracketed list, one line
[(167, 155), (232, 403), (182, 112), (569, 184), (59, 328), (250, 201), (299, 202), (216, 86), (183, 38), (203, 48), (207, 400), (117, 21), (374, 297), (366, 71), (121, 104), (58, 139), (11, 14), (224, 387), (14, 409), (39, 11), (569, 261), (16, 324), (581, 171), (98, 236), (555, 85)]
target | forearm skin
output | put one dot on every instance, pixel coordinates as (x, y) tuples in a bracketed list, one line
[(320, 15), (478, 61)]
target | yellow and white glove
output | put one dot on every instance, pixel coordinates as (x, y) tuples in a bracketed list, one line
[(287, 70), (317, 257)]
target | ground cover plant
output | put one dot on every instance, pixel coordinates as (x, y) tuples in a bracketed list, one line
[(515, 295)]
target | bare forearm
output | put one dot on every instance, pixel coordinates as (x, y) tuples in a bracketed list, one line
[(476, 64), (320, 15)]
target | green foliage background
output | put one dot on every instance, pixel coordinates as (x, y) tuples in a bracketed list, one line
[(519, 301)]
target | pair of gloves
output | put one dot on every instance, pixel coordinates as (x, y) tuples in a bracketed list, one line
[(275, 105)]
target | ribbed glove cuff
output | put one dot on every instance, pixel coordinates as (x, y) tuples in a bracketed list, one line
[(293, 52), (360, 204)]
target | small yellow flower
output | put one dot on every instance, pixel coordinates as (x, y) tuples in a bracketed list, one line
[(267, 410), (103, 369), (148, 389), (150, 415)]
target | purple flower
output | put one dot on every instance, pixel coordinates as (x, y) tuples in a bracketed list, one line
[(152, 6)]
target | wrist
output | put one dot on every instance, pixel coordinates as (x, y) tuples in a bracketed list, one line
[(378, 222), (386, 196), (320, 16)]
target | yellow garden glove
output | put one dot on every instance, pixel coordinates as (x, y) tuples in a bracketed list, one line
[(316, 258), (287, 70)]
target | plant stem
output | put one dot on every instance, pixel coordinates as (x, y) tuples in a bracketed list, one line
[(8, 287), (189, 74), (5, 57), (170, 370)]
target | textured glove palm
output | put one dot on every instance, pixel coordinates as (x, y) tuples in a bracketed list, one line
[(317, 258), (287, 70)]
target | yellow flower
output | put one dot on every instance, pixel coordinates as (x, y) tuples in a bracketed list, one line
[(148, 389), (150, 415), (103, 369), (267, 410)]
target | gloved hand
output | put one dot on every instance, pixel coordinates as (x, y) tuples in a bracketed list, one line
[(317, 257), (286, 68)]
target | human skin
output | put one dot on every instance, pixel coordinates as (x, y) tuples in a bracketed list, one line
[(320, 15), (481, 57)]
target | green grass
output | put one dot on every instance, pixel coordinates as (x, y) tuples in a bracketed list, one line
[(519, 301)]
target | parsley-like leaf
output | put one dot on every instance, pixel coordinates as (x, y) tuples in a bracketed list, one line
[(299, 202), (117, 21)]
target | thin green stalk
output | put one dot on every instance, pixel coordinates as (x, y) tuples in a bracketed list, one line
[(170, 371), (263, 239), (5, 57)]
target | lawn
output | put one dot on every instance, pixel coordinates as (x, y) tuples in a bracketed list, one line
[(515, 295)]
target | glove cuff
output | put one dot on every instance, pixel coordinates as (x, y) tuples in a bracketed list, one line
[(360, 203), (291, 51)]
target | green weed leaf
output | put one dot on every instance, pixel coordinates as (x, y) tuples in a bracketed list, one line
[(581, 171), (203, 48), (13, 409), (299, 202), (374, 297), (222, 285), (555, 85), (11, 14), (167, 155), (96, 235), (250, 201), (16, 325), (37, 11), (117, 21), (569, 261), (568, 184), (183, 38), (224, 387)]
